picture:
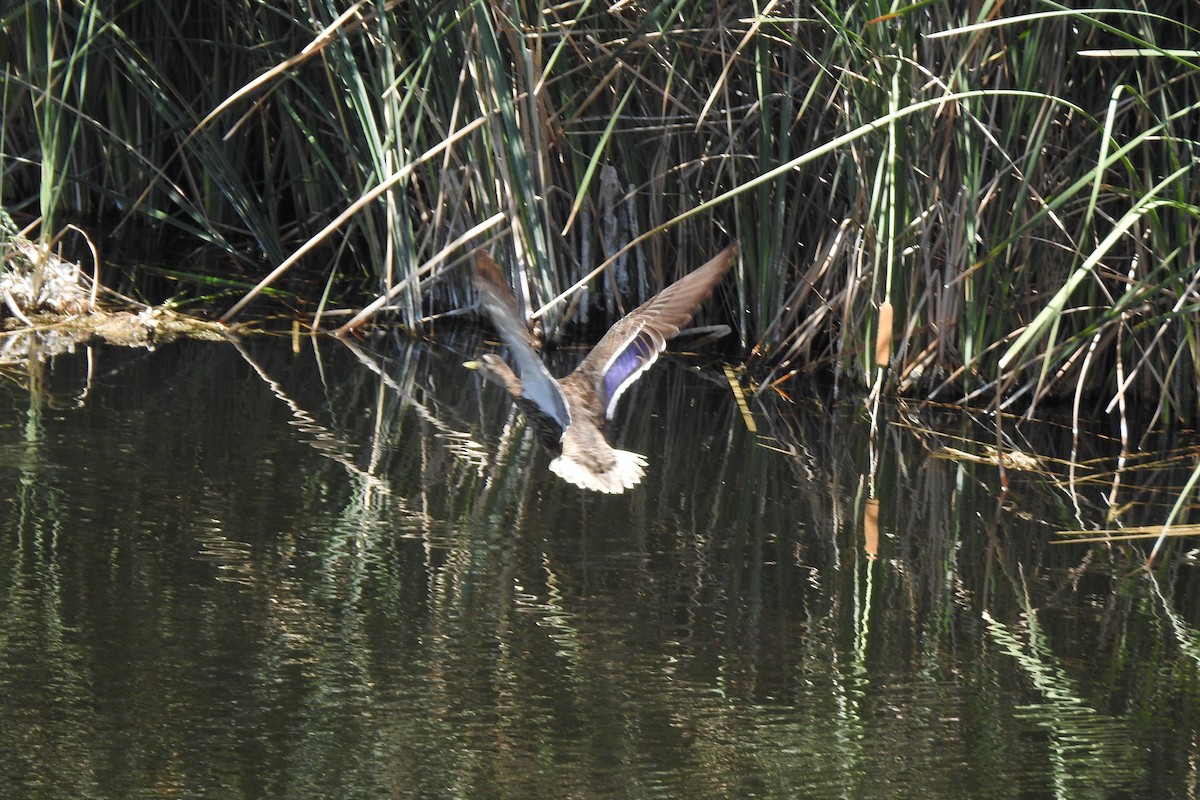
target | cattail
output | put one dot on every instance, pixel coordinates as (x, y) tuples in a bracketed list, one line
[(883, 335)]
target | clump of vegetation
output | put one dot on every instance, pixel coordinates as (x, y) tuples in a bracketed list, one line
[(34, 279), (52, 302), (932, 199)]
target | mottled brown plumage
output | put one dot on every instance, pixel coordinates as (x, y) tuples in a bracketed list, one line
[(578, 404)]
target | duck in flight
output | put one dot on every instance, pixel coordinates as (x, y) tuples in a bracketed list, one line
[(568, 414)]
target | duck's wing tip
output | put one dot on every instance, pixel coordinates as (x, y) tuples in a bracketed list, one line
[(497, 298)]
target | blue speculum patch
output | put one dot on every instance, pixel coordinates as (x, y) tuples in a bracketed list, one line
[(633, 358)]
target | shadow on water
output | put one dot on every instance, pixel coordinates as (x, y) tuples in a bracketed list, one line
[(248, 571)]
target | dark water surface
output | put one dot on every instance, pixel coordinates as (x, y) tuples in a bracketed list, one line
[(257, 573)]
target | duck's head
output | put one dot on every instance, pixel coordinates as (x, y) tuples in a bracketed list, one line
[(493, 368)]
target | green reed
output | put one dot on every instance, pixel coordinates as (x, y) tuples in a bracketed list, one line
[(984, 204)]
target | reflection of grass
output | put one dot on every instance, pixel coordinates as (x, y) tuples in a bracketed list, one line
[(311, 567), (1187, 637), (1087, 749)]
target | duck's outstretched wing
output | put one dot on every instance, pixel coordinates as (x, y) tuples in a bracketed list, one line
[(535, 383), (636, 340)]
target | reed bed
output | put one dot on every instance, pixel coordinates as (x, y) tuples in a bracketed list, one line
[(976, 202)]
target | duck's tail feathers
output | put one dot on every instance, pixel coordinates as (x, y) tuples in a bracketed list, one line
[(626, 471)]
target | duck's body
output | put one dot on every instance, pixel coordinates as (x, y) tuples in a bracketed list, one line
[(577, 405)]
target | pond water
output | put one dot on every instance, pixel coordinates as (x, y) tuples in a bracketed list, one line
[(324, 570)]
